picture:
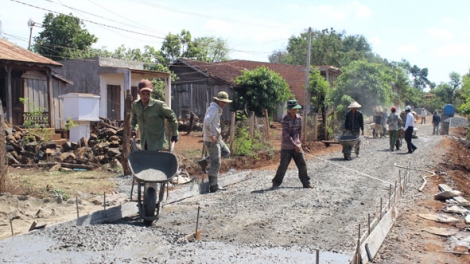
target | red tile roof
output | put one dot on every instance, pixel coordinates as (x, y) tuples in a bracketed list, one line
[(12, 52), (227, 71)]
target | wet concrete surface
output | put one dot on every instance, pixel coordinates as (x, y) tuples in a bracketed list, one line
[(248, 222)]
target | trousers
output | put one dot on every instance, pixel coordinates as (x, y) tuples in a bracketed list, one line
[(286, 157)]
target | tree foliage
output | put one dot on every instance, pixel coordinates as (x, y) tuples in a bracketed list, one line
[(367, 83), (328, 47), (208, 49), (464, 108), (62, 37), (264, 90), (319, 89)]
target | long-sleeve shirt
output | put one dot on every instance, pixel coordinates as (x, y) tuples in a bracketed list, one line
[(211, 125), (291, 131), (393, 120), (436, 119), (354, 121), (410, 121), (151, 123)]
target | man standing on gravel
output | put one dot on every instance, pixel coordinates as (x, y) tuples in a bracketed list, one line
[(291, 147), (213, 140), (149, 116), (393, 121), (355, 123), (436, 119), (409, 128)]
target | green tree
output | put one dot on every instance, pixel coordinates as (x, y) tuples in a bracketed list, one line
[(208, 49), (328, 47), (319, 89), (264, 89), (368, 83), (171, 48), (465, 106), (62, 37), (419, 77), (455, 84)]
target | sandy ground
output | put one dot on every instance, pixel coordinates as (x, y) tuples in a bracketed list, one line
[(250, 223)]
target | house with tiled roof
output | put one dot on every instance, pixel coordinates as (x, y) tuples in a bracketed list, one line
[(199, 81), (25, 74)]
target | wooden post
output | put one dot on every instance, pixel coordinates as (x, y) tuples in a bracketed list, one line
[(267, 123), (76, 206), (3, 160), (232, 129), (315, 127), (252, 124), (303, 137), (126, 133), (326, 126)]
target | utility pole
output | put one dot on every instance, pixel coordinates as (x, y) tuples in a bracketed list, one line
[(31, 24), (307, 84)]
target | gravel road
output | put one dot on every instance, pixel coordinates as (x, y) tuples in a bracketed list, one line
[(248, 222)]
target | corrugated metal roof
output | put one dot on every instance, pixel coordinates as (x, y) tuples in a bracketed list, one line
[(11, 52)]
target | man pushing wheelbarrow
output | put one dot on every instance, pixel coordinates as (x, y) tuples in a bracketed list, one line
[(353, 125)]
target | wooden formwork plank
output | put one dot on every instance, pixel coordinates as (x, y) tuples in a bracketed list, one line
[(377, 236)]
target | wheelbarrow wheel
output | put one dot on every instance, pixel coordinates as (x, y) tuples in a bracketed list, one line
[(150, 203), (347, 156)]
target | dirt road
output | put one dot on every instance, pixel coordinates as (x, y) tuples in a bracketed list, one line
[(249, 222)]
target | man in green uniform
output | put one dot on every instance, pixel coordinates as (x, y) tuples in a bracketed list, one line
[(149, 116)]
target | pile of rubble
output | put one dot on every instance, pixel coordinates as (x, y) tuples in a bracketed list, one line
[(32, 147)]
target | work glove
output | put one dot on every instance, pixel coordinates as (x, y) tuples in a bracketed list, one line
[(174, 138), (133, 133)]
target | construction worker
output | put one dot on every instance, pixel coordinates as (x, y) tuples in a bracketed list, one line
[(213, 140), (393, 122), (148, 115), (409, 128), (291, 147), (354, 123)]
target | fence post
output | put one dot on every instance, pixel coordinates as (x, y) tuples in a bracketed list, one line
[(232, 130), (252, 125), (315, 127), (267, 123)]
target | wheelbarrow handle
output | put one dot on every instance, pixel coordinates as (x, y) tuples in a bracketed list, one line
[(172, 147)]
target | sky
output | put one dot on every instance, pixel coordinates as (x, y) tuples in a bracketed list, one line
[(429, 34)]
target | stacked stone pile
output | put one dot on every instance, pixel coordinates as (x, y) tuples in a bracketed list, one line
[(31, 147)]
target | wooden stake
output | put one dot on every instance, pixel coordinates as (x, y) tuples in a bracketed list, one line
[(380, 208), (197, 219), (11, 227), (232, 130), (104, 200), (395, 195), (267, 123), (317, 256), (76, 205)]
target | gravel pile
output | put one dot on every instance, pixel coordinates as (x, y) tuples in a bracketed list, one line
[(458, 121), (248, 222)]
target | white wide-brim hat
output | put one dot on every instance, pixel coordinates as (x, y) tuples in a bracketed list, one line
[(354, 105)]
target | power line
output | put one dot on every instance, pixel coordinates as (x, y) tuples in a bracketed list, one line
[(85, 12), (199, 14), (89, 21)]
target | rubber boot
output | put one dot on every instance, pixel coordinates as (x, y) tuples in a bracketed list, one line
[(213, 186)]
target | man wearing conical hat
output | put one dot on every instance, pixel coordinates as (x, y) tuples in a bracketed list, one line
[(213, 140), (354, 123)]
